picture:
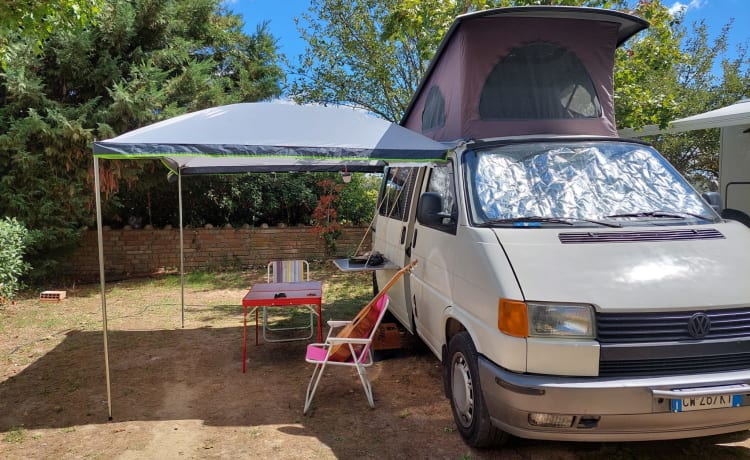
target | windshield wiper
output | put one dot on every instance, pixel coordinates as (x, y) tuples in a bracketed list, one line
[(661, 214), (524, 221), (599, 222)]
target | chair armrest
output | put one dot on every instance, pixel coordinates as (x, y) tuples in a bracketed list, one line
[(334, 326), (332, 323), (336, 340)]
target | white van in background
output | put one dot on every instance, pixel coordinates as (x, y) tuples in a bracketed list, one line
[(573, 284)]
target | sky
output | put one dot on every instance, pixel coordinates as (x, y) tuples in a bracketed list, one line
[(281, 14)]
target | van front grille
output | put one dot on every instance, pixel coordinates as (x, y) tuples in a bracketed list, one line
[(674, 366), (670, 326), (657, 344)]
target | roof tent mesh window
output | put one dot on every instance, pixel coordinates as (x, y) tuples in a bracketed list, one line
[(539, 80), (433, 115)]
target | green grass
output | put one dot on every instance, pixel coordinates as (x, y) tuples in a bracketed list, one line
[(211, 298), (15, 435), (30, 328), (207, 280)]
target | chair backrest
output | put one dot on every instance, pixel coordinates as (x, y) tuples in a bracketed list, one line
[(287, 271), (363, 326), (381, 306)]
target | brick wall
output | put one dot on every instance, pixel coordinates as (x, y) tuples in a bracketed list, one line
[(146, 251)]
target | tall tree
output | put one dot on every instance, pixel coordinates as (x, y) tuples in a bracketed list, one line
[(696, 88), (141, 61)]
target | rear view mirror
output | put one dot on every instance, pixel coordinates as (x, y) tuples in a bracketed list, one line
[(713, 199), (430, 209)]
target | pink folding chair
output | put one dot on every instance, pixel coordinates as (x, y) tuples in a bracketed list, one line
[(359, 356)]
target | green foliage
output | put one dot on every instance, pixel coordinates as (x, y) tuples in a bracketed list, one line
[(36, 20), (645, 67), (253, 199), (357, 199), (14, 238), (350, 61), (134, 63)]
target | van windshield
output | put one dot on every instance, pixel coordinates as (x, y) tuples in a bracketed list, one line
[(553, 183)]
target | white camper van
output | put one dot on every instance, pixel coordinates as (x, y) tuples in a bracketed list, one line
[(573, 284)]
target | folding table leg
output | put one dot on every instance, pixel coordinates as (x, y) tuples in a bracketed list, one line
[(244, 337)]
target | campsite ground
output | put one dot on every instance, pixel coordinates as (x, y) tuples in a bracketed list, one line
[(180, 393)]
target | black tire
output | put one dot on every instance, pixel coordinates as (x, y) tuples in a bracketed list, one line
[(467, 401), (734, 214)]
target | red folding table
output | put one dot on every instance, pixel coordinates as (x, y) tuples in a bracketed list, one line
[(300, 294)]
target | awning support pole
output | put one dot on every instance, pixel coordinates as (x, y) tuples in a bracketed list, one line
[(102, 281), (182, 249)]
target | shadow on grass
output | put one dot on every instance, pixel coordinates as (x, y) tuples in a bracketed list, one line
[(196, 374)]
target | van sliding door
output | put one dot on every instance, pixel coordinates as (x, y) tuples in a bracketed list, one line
[(433, 246), (392, 235)]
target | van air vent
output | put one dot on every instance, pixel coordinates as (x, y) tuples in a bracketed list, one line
[(639, 236)]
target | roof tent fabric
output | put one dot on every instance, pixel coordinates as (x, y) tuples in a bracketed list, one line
[(518, 71), (265, 137)]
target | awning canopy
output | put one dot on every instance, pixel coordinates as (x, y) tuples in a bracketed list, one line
[(265, 137), (731, 115)]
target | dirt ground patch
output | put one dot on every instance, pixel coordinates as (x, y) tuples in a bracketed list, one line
[(180, 392)]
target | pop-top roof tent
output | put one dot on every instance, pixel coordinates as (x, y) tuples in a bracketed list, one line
[(520, 71)]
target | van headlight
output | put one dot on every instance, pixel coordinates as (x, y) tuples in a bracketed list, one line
[(536, 319), (560, 320)]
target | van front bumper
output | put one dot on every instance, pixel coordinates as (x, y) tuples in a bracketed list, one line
[(611, 409)]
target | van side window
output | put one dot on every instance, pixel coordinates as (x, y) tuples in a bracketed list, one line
[(442, 182), (395, 196)]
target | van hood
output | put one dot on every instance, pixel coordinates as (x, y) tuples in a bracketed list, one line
[(681, 268)]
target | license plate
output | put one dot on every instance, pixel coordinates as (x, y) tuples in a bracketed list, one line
[(706, 402)]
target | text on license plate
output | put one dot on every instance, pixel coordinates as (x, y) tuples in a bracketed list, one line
[(706, 402)]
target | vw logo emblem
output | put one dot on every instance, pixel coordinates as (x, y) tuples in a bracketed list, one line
[(699, 325)]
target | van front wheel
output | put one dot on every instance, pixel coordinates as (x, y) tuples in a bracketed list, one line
[(467, 401)]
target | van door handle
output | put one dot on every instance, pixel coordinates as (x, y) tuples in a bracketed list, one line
[(414, 240), (403, 234)]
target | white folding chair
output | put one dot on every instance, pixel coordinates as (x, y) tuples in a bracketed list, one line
[(358, 350), (287, 271)]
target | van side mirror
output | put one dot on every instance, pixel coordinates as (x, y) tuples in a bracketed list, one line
[(713, 199), (430, 209)]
